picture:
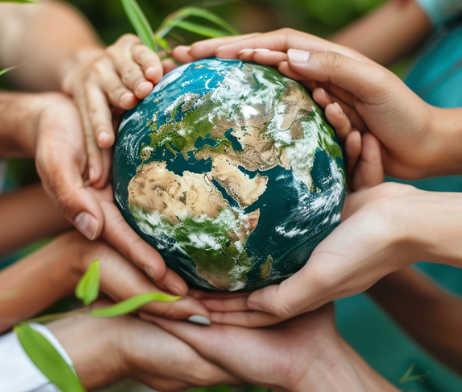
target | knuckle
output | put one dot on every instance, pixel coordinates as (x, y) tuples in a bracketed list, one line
[(333, 60)]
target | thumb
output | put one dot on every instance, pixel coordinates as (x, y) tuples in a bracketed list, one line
[(291, 297), (362, 79)]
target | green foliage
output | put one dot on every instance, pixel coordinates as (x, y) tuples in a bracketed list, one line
[(140, 23), (87, 289), (197, 28), (4, 71), (20, 1), (132, 304), (48, 360), (417, 377)]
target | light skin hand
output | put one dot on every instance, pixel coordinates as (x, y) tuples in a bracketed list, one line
[(104, 350), (297, 355)]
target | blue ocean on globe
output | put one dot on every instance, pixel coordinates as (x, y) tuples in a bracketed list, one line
[(231, 171)]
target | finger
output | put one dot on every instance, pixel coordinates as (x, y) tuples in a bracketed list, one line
[(118, 94), (61, 163), (168, 65), (352, 150), (262, 56), (207, 48), (173, 283), (321, 97), (250, 319), (369, 171), (149, 62), (130, 72), (181, 54), (284, 68), (100, 115), (121, 236), (359, 78), (106, 156), (338, 120), (226, 305), (162, 384)]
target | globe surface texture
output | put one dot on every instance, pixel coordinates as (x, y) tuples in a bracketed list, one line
[(231, 172)]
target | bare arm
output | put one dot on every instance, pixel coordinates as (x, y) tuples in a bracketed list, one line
[(429, 314), (44, 37), (387, 33), (28, 215)]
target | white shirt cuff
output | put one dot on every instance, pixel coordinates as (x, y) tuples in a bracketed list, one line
[(17, 372)]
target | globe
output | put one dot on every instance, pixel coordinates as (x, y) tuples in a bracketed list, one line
[(231, 171)]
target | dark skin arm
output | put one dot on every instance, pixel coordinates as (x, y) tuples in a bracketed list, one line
[(432, 316)]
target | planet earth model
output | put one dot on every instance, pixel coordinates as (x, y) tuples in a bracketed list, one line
[(231, 171)]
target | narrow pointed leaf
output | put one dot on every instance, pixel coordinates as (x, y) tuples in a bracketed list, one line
[(162, 42), (197, 28), (4, 71), (87, 289), (140, 23), (132, 304), (201, 13), (48, 360)]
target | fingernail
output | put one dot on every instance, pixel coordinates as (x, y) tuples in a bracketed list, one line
[(103, 135), (298, 56), (126, 96), (261, 50), (150, 272), (338, 108), (144, 86), (173, 290), (87, 225), (200, 320), (149, 71), (246, 51)]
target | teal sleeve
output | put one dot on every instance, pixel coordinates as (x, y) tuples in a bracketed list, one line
[(440, 11)]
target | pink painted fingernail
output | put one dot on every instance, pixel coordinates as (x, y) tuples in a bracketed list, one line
[(87, 225), (261, 50), (298, 56), (150, 272)]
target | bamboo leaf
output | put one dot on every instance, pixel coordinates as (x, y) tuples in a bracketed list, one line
[(197, 28), (48, 360), (201, 13), (87, 289), (132, 304), (140, 23), (4, 71), (162, 42)]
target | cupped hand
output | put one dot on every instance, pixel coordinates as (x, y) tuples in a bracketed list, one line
[(61, 163), (105, 350)]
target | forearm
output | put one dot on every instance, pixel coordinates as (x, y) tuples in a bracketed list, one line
[(28, 215), (37, 281), (388, 32), (42, 37), (430, 315)]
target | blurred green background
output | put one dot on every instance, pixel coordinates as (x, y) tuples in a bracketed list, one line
[(363, 324)]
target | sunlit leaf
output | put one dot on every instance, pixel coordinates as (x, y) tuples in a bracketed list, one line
[(132, 304), (162, 42), (87, 289), (140, 23), (4, 71), (201, 13), (48, 360), (197, 28)]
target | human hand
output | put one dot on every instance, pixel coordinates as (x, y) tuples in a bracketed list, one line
[(297, 355), (121, 280), (371, 242), (104, 350), (372, 97), (61, 163), (104, 83)]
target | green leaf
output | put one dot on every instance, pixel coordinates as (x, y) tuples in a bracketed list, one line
[(48, 360), (20, 1), (87, 289), (201, 13), (197, 28), (162, 42), (132, 304), (140, 23), (4, 71)]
